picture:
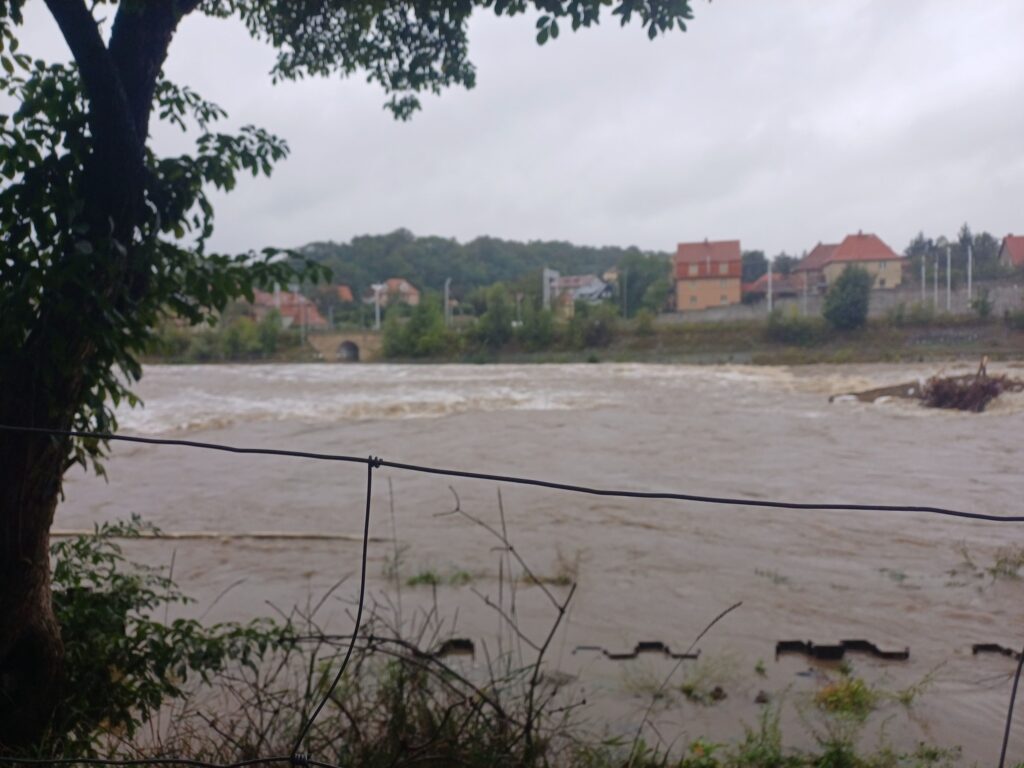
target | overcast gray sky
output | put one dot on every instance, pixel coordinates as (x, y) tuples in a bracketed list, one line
[(779, 123)]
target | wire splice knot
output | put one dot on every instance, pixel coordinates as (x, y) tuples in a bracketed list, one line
[(374, 462), (299, 760)]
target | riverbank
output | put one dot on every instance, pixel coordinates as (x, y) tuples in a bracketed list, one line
[(754, 342)]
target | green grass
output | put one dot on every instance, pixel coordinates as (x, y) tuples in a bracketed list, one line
[(848, 696), (429, 577)]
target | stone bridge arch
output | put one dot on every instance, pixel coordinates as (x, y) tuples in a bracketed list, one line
[(347, 347)]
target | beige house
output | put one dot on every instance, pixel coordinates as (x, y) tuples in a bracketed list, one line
[(870, 254), (707, 274)]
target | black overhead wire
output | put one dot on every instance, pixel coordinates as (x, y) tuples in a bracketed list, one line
[(515, 480)]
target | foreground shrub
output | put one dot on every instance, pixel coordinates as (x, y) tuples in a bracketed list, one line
[(121, 664)]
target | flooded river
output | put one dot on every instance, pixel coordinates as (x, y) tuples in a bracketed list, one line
[(647, 570)]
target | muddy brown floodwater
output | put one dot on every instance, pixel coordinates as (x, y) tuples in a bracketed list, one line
[(647, 571)]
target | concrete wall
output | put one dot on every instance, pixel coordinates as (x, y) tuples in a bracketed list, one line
[(1003, 295)]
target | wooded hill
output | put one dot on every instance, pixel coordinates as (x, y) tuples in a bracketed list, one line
[(427, 261)]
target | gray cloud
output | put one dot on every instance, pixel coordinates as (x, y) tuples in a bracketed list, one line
[(780, 123)]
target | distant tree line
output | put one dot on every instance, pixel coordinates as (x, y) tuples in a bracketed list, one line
[(933, 250), (427, 262)]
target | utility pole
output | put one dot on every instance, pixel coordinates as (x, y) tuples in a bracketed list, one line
[(377, 288), (625, 293), (805, 293), (935, 284), (924, 279), (447, 302), (970, 269), (769, 287), (949, 281)]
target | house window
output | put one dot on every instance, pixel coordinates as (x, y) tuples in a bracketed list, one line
[(721, 284), (723, 269), (693, 269), (693, 299), (725, 299), (881, 282)]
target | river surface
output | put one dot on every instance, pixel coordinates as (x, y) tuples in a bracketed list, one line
[(646, 570)]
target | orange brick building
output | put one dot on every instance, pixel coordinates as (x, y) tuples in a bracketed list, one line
[(707, 274)]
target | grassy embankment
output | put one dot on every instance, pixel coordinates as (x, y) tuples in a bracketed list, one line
[(756, 343), (790, 342)]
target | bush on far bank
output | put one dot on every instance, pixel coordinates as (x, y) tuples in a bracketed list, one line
[(846, 303), (236, 338)]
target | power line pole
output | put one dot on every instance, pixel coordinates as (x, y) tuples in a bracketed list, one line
[(769, 287), (377, 288), (625, 293), (447, 301), (949, 281), (924, 279), (970, 269), (935, 284)]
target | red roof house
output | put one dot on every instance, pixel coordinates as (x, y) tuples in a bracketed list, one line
[(812, 266), (866, 251), (294, 309), (707, 274), (396, 289), (1011, 252), (782, 285)]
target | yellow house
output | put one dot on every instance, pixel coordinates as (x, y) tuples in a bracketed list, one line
[(870, 254)]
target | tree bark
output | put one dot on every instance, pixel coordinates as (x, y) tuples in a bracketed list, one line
[(30, 645), (119, 80)]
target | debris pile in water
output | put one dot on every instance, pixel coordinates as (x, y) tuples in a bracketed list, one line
[(966, 393), (971, 392)]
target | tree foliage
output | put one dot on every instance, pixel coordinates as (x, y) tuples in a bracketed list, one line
[(83, 304), (984, 252), (846, 303), (643, 282), (754, 265), (427, 262)]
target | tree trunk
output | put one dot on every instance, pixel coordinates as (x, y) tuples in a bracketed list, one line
[(119, 81), (30, 644)]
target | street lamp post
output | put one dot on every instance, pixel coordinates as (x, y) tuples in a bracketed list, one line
[(377, 288)]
